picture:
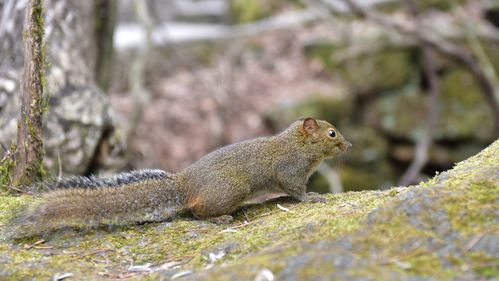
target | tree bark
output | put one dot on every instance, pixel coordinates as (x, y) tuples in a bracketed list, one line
[(105, 12), (79, 135), (29, 145)]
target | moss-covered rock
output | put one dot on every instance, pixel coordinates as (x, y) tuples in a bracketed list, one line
[(464, 112), (439, 155), (446, 228), (367, 74), (336, 109)]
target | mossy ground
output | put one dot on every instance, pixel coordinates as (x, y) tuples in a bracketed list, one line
[(443, 229), (105, 253)]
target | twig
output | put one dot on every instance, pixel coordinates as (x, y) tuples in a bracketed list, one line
[(137, 73), (246, 223), (425, 142), (59, 163), (5, 149), (43, 247), (27, 246), (486, 264), (478, 50), (206, 32), (332, 177), (244, 214), (21, 191), (91, 253), (474, 241), (284, 209), (265, 214), (62, 276)]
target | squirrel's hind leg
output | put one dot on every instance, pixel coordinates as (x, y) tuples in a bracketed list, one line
[(217, 211)]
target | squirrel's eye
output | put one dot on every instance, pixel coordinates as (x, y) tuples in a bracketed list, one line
[(332, 133)]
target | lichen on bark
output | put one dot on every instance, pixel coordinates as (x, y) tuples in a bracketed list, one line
[(29, 150)]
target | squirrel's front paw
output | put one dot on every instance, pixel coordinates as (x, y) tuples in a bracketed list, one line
[(316, 198)]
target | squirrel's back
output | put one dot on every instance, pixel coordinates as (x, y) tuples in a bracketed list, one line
[(214, 186)]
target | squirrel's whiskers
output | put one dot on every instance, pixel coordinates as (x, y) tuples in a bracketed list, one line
[(213, 187)]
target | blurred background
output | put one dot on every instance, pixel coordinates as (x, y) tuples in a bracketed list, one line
[(158, 84)]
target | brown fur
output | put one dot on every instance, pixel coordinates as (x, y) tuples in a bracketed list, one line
[(214, 186)]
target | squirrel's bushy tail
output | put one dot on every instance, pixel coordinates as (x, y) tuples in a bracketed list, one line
[(139, 199)]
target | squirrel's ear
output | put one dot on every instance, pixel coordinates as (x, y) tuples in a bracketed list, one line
[(310, 125)]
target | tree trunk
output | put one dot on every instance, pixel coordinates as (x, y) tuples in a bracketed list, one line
[(79, 135), (105, 12), (29, 145)]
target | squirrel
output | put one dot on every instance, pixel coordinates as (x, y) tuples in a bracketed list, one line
[(211, 188)]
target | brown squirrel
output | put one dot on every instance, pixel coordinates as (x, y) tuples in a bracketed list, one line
[(213, 187)]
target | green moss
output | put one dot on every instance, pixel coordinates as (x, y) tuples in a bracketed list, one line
[(6, 166), (33, 113), (325, 107), (379, 235), (366, 74), (484, 265), (362, 178), (244, 11), (323, 51), (190, 239), (492, 52), (459, 93), (9, 204)]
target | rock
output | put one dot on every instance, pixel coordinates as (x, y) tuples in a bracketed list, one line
[(355, 179), (443, 229), (404, 113), (367, 74), (439, 155), (427, 232), (336, 109)]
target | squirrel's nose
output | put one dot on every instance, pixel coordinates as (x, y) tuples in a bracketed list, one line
[(349, 144)]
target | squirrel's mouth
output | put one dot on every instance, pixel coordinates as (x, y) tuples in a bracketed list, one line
[(345, 146)]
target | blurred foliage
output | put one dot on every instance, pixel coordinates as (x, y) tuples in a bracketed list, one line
[(381, 107), (244, 11), (463, 110), (386, 69), (442, 5), (423, 5)]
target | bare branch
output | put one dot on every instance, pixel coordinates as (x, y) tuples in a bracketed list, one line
[(331, 176), (175, 32), (440, 45), (139, 92), (425, 142)]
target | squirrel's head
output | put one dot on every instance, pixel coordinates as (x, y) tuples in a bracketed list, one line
[(323, 137)]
